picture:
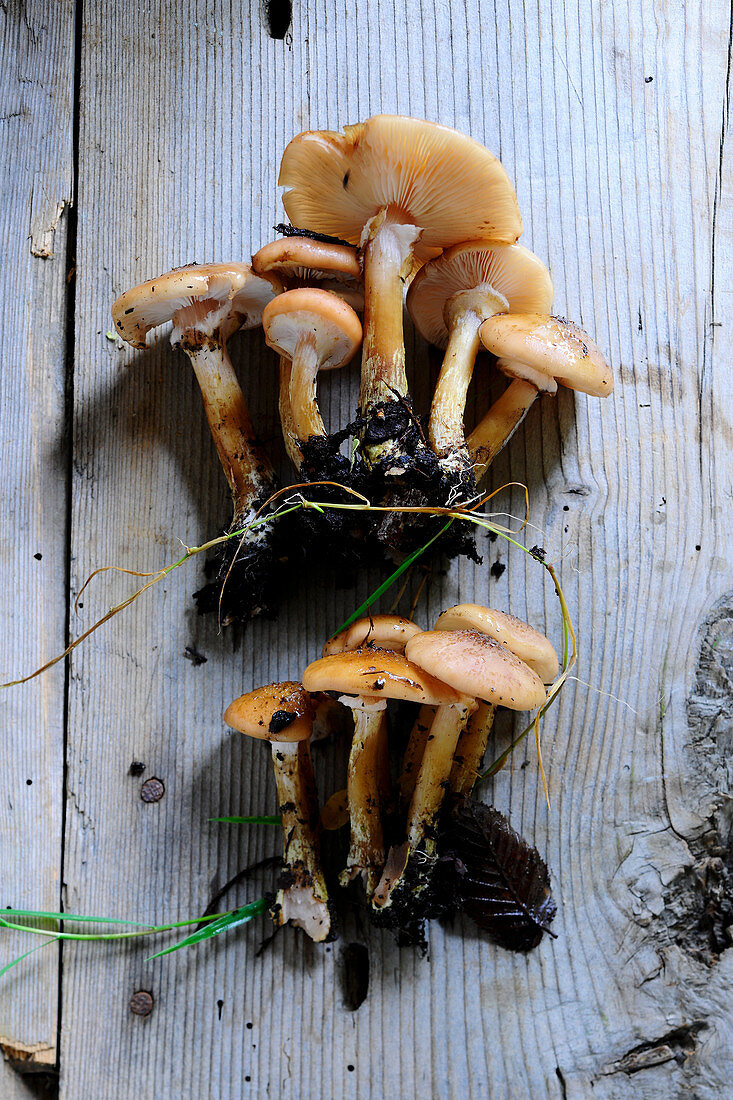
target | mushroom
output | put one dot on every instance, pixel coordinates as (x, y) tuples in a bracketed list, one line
[(300, 261), (283, 714), (206, 304), (403, 189), (316, 331), (448, 300), (478, 667), (366, 678), (382, 632), (537, 351), (391, 632), (524, 642)]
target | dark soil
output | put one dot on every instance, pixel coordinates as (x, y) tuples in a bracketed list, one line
[(243, 575), (412, 477)]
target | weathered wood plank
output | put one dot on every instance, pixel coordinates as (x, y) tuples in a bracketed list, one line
[(619, 181), (36, 118)]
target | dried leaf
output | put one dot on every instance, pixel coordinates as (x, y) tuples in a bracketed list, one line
[(503, 882)]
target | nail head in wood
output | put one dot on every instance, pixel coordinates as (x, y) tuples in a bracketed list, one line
[(152, 790)]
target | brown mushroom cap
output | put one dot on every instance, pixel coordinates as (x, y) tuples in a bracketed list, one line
[(478, 666), (203, 291), (384, 631), (276, 712), (429, 175), (510, 272), (302, 258), (380, 673), (522, 639), (334, 324), (550, 347)]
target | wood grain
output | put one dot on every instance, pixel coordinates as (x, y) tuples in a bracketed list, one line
[(611, 120), (36, 116)]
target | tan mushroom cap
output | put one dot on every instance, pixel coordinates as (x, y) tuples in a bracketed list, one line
[(204, 291), (427, 174), (298, 260), (276, 712), (303, 258), (378, 672), (384, 631), (522, 639), (550, 347), (510, 272), (335, 325), (479, 666)]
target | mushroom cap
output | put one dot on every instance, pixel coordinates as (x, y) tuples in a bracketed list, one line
[(303, 258), (522, 639), (479, 666), (551, 347), (446, 183), (383, 631), (378, 672), (208, 292), (336, 327), (276, 712), (511, 271)]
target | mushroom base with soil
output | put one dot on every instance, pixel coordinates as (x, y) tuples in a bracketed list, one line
[(425, 891), (337, 537), (242, 573), (413, 479)]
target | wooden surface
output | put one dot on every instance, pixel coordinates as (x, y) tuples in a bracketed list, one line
[(36, 139), (610, 118)]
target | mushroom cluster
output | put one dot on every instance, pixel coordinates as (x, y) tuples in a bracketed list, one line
[(405, 778), (389, 209)]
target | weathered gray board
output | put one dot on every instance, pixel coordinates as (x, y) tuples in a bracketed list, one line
[(36, 112), (185, 110)]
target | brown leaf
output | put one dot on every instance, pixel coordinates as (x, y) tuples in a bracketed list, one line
[(503, 882)]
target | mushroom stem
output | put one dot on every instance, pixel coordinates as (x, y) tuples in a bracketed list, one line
[(307, 419), (365, 792), (414, 752), (303, 897), (290, 438), (434, 774), (499, 424), (470, 749), (246, 467), (445, 426), (389, 246)]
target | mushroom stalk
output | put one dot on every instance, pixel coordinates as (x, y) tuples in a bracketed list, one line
[(306, 418), (303, 897), (246, 467), (383, 379), (445, 426), (290, 438), (414, 752), (365, 792), (434, 774), (499, 424), (470, 750)]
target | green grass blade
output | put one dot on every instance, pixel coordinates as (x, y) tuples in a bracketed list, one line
[(386, 585), (274, 819), (43, 915), (19, 958), (225, 924)]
